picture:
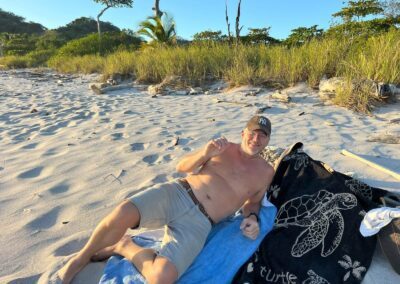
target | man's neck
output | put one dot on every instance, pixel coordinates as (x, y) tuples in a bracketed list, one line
[(244, 155)]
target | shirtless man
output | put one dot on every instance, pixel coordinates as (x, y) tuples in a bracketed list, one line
[(222, 178)]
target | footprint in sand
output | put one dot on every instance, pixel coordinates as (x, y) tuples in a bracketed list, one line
[(35, 172), (150, 159), (117, 136), (167, 158), (184, 141), (53, 129), (139, 146), (55, 152), (30, 146), (60, 188), (105, 120), (165, 133), (130, 112), (119, 125), (46, 220)]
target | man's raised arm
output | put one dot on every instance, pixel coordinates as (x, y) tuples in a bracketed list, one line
[(192, 163)]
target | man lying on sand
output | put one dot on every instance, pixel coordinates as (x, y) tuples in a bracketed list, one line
[(222, 178)]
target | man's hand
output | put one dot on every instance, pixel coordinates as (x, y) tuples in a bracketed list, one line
[(250, 227), (215, 147)]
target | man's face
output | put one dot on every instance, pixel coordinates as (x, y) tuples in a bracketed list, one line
[(254, 141)]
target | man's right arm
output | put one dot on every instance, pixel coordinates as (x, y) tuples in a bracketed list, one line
[(192, 163)]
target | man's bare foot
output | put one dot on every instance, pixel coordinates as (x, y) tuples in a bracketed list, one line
[(112, 250), (71, 268)]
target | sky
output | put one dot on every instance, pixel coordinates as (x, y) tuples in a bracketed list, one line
[(191, 16)]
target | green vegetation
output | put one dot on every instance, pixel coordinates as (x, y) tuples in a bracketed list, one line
[(363, 48), (82, 27), (159, 29), (13, 24), (90, 44)]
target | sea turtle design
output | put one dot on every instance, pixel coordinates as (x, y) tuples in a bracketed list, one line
[(358, 187), (314, 278), (319, 214), (302, 160)]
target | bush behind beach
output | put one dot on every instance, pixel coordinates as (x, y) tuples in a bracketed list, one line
[(375, 58)]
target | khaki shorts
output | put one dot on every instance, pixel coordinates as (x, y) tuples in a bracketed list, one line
[(186, 228)]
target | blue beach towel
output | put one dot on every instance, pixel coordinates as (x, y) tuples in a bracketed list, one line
[(224, 252)]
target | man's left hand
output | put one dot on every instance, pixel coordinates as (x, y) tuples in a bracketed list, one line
[(250, 227)]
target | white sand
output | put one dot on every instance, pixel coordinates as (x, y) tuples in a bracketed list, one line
[(60, 164)]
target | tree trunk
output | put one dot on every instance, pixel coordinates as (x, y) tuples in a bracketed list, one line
[(98, 25), (156, 8), (227, 22), (237, 24)]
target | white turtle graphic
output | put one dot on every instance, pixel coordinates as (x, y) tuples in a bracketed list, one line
[(318, 213), (314, 278), (302, 160)]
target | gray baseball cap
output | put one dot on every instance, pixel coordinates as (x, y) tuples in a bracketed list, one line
[(259, 122)]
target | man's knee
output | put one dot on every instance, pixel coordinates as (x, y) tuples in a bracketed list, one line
[(126, 213), (162, 272)]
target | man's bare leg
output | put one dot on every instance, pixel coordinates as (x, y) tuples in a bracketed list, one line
[(109, 231), (155, 269)]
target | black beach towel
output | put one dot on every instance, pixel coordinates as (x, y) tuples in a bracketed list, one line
[(316, 237)]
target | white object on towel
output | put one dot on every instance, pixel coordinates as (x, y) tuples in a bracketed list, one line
[(376, 219)]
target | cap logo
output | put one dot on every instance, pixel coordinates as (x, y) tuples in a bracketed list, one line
[(262, 121)]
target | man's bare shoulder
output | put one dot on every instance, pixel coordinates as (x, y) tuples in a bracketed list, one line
[(266, 167)]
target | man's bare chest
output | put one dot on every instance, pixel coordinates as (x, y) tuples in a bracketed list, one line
[(241, 176)]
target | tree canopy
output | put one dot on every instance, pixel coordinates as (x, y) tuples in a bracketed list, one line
[(359, 9), (302, 35), (208, 36), (11, 23), (82, 27), (354, 23)]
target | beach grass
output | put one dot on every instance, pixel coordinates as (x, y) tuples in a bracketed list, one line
[(375, 58)]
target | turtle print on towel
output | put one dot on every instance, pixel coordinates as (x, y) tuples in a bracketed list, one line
[(318, 213), (301, 160), (314, 278), (274, 191), (355, 268), (360, 188)]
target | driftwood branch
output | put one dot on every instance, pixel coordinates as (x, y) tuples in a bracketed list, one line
[(233, 102), (371, 164), (156, 9), (238, 23), (227, 21)]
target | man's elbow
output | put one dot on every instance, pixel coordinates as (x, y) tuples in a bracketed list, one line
[(179, 168)]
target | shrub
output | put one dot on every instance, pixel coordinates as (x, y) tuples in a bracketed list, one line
[(79, 64), (38, 58), (90, 44), (13, 62)]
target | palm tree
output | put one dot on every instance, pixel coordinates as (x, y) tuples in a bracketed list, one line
[(159, 29)]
